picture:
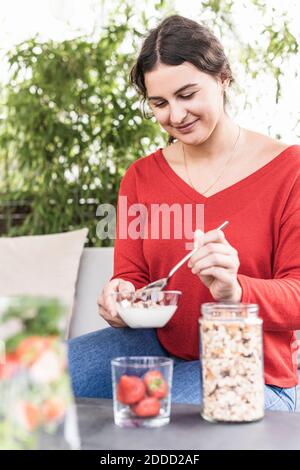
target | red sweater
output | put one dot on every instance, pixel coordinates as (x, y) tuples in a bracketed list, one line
[(264, 214)]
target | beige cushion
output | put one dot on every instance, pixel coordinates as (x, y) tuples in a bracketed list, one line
[(45, 265), (95, 270)]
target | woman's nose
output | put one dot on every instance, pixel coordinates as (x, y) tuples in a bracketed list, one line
[(177, 115)]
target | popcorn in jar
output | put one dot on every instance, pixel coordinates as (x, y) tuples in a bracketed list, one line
[(231, 362)]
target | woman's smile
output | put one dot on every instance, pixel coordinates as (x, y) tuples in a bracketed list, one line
[(185, 129)]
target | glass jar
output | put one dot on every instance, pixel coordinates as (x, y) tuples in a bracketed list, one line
[(142, 390), (231, 362)]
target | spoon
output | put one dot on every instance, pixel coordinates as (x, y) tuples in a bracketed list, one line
[(161, 283)]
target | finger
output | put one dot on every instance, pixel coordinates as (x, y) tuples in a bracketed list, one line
[(104, 313), (116, 322), (110, 287), (125, 286), (214, 260), (118, 325), (116, 285), (106, 300), (215, 236), (113, 321), (218, 273), (198, 238), (100, 300), (109, 302), (209, 249)]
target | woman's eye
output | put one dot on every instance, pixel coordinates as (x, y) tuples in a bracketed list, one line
[(159, 105), (186, 97)]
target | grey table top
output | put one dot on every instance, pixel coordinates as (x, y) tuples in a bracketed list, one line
[(186, 430)]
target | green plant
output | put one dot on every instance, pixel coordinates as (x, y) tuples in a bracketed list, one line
[(72, 126), (35, 388), (36, 316)]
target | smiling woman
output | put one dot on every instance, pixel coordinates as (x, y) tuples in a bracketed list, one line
[(238, 175), (152, 72), (179, 111), (189, 122)]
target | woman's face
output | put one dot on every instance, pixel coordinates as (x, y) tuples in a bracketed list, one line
[(186, 102)]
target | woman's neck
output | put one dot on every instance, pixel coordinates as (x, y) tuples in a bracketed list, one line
[(218, 145)]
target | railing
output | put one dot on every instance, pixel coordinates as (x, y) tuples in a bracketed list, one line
[(12, 212), (14, 208)]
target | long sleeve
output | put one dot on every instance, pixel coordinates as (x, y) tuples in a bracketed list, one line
[(278, 297), (264, 214), (129, 260)]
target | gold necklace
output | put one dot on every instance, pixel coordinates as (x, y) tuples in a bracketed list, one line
[(222, 172)]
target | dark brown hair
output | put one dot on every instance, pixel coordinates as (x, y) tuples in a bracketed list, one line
[(176, 40)]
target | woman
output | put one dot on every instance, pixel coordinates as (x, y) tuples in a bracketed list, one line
[(233, 174)]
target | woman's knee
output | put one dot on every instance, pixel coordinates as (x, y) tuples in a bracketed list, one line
[(90, 357), (186, 386), (111, 342), (87, 356)]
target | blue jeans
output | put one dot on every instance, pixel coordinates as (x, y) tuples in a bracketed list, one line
[(90, 356)]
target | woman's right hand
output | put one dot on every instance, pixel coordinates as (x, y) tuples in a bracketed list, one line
[(107, 308)]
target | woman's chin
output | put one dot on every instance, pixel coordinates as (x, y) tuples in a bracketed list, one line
[(192, 139)]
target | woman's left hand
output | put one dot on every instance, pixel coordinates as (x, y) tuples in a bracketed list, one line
[(216, 263)]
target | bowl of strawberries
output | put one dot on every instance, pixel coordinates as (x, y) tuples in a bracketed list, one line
[(142, 390)]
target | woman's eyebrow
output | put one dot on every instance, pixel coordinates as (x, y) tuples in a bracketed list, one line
[(177, 91)]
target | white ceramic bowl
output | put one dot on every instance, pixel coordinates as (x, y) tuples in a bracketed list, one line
[(153, 310)]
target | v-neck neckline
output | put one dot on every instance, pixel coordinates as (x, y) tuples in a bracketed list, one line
[(195, 195)]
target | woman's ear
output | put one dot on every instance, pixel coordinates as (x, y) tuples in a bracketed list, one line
[(225, 84)]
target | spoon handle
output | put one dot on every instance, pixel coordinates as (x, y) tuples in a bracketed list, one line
[(178, 265)]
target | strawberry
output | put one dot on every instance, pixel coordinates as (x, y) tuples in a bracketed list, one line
[(53, 408), (28, 415), (156, 386), (149, 406), (130, 389), (10, 367), (30, 348)]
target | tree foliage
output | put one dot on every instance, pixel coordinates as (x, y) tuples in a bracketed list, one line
[(72, 126)]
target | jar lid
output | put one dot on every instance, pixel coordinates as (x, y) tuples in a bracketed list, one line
[(229, 311)]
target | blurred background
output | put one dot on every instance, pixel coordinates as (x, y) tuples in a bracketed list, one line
[(70, 124)]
